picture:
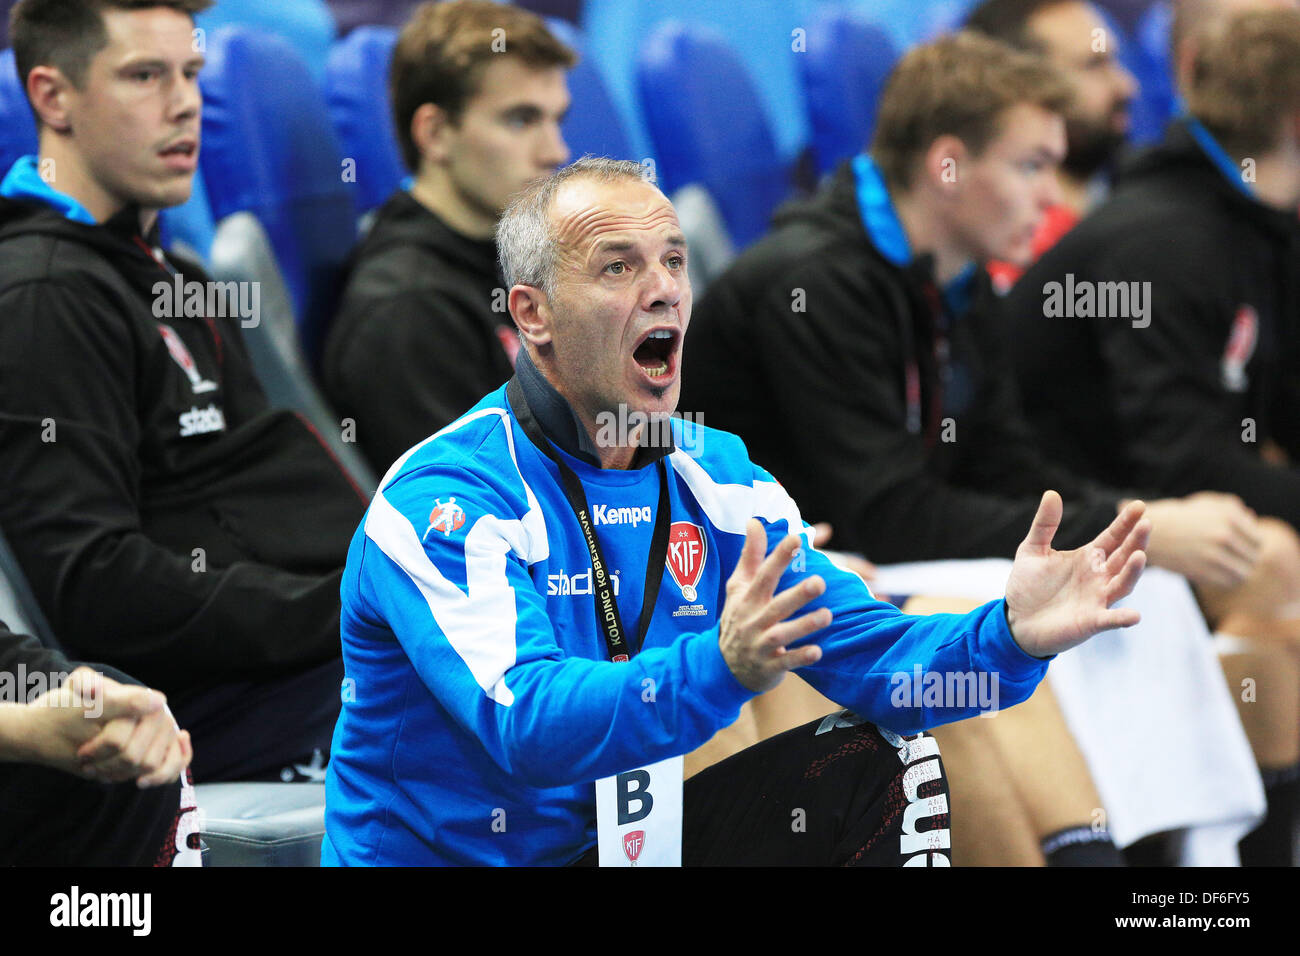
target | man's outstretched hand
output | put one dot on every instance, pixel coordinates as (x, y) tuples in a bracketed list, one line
[(1057, 599)]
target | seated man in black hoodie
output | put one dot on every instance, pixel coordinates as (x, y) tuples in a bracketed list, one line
[(170, 522), (422, 330), (1162, 334), (1161, 337), (88, 766), (863, 311)]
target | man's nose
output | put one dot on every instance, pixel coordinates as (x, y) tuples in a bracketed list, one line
[(1050, 195), (663, 288), (1126, 84), (187, 98), (555, 151)]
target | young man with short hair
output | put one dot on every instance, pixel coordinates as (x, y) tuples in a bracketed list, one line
[(1072, 36), (478, 92), (168, 520)]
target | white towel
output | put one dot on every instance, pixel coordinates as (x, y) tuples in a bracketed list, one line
[(1148, 707)]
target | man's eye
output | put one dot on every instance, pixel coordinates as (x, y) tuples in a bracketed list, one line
[(616, 268), (677, 261), (144, 76)]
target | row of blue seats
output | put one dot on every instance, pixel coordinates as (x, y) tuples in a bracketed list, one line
[(307, 161)]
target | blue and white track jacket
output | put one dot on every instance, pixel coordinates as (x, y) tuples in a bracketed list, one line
[(480, 704)]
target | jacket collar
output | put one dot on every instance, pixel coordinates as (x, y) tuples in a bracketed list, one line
[(1217, 155), (885, 230), (24, 183), (560, 423), (408, 222)]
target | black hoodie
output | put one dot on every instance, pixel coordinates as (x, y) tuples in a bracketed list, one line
[(801, 348), (169, 522), (422, 331), (1174, 400)]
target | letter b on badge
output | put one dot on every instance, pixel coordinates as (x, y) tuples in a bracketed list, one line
[(634, 799)]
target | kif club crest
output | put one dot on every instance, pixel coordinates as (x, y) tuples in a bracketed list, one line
[(445, 517), (687, 549)]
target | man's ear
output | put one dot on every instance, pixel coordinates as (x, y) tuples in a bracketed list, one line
[(429, 128), (48, 89), (532, 313), (945, 163)]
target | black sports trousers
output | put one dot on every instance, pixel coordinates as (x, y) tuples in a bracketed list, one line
[(835, 792)]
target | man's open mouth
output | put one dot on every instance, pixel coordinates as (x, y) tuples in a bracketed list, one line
[(183, 147), (657, 352)]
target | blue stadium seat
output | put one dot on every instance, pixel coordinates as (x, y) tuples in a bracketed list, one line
[(308, 25), (708, 126), (844, 73), (593, 124), (1154, 105), (356, 89), (17, 128), (269, 149), (909, 22)]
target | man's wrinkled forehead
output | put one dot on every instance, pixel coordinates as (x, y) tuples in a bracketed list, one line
[(588, 213)]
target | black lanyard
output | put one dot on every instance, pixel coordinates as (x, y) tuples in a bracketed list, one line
[(607, 616)]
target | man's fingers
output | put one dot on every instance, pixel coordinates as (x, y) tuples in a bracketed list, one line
[(782, 635), (1230, 570), (128, 700), (1122, 584), (108, 743), (822, 532), (769, 574), (790, 600), (1119, 529), (1117, 617), (751, 555), (1135, 541), (1046, 521), (1244, 546), (793, 659), (1246, 524), (128, 763), (156, 757), (170, 767)]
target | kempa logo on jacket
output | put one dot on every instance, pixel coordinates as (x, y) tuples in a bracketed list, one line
[(603, 514)]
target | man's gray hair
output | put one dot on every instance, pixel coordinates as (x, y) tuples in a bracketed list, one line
[(525, 240)]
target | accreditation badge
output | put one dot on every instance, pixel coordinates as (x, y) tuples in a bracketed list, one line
[(639, 816)]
